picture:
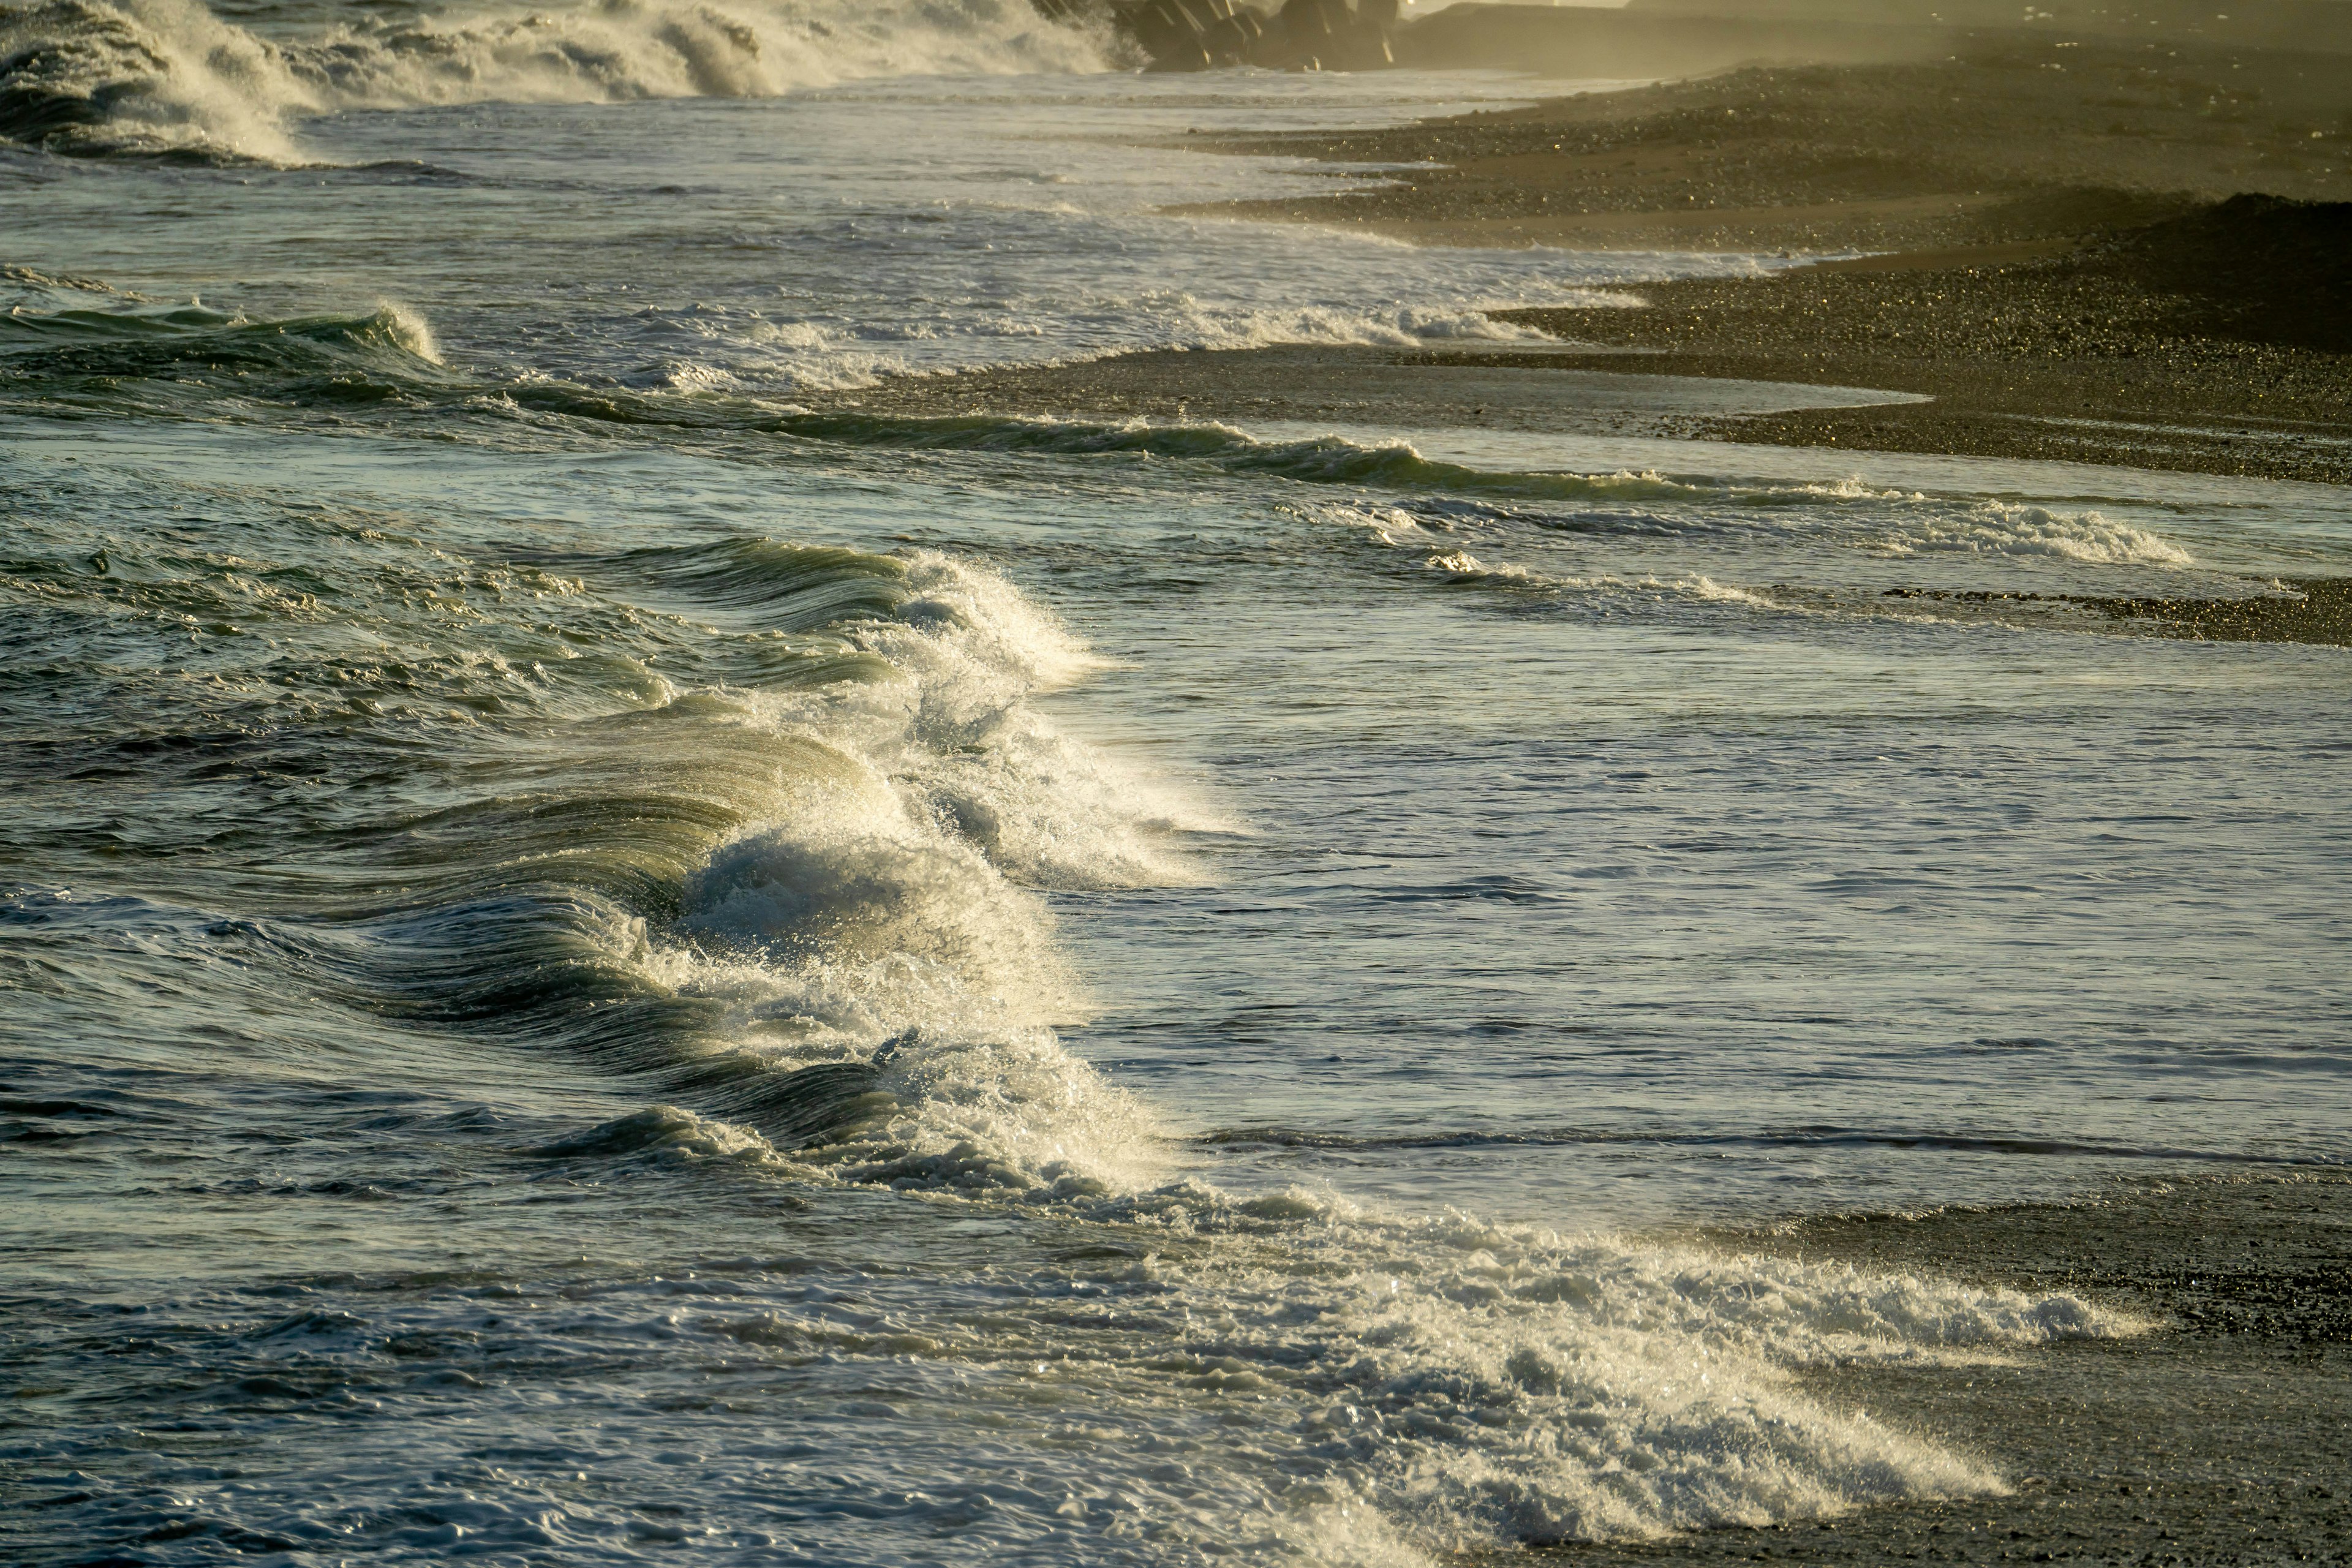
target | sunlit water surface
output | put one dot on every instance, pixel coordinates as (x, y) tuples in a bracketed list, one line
[(599, 964)]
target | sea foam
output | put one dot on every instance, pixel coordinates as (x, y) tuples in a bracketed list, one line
[(1430, 1383), (890, 912), (169, 76)]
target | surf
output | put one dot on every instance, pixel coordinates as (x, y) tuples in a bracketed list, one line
[(170, 78)]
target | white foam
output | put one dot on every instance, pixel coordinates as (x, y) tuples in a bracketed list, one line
[(964, 739), (410, 331), (2005, 527), (1413, 1386), (1485, 1385), (1013, 1113), (1708, 591), (895, 896), (856, 873), (169, 75), (157, 75), (1189, 323), (817, 356)]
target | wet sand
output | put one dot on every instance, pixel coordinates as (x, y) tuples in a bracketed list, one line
[(2098, 355), (2063, 272), (2312, 610), (2225, 1436), (2063, 267), (2015, 138)]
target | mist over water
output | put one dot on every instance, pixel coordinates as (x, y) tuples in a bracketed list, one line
[(606, 958)]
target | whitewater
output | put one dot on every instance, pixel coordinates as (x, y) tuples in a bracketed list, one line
[(607, 953)]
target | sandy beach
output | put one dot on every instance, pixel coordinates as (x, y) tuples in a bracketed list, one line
[(2014, 137), (2048, 240), (2040, 247)]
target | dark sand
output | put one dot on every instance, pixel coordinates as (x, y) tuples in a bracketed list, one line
[(2219, 341), (2315, 610), (2014, 138), (2069, 278), (2223, 1437)]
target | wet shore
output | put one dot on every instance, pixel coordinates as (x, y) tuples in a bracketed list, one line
[(2064, 263), (2309, 610), (2224, 1436), (2016, 139), (2215, 341), (2078, 250)]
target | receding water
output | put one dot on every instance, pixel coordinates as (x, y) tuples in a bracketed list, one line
[(605, 962)]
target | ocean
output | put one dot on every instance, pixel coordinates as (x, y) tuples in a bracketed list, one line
[(610, 956)]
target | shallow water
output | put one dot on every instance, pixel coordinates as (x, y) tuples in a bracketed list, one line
[(601, 963)]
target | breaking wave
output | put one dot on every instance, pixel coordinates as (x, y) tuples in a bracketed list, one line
[(80, 343), (873, 953), (2002, 528), (765, 837), (168, 77)]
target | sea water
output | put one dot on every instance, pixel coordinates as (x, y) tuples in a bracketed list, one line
[(609, 956)]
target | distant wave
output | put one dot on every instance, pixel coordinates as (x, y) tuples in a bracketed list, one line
[(72, 344), (169, 79), (757, 833)]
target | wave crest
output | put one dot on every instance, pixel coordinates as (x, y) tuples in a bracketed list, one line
[(167, 77), (2002, 528), (878, 943)]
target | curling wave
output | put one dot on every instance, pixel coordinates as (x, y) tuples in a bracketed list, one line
[(761, 837), (808, 904)]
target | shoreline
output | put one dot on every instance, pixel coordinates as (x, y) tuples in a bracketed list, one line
[(1821, 400), (2223, 1435), (2057, 413), (2008, 137), (2065, 265)]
